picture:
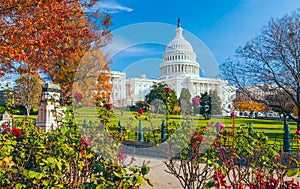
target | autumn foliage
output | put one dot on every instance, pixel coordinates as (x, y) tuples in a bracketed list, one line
[(50, 36), (248, 105)]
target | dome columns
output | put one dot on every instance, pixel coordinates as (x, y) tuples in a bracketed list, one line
[(179, 69)]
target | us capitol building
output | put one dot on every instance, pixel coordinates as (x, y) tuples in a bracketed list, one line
[(179, 69)]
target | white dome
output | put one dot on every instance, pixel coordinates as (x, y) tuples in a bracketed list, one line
[(179, 58), (179, 43)]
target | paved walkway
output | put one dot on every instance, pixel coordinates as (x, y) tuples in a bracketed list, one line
[(160, 178)]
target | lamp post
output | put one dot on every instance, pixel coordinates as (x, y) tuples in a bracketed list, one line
[(233, 115), (286, 138), (140, 134)]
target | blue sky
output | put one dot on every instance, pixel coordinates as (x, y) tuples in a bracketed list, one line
[(221, 26)]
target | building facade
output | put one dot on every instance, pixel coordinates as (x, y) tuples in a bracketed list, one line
[(179, 69), (118, 96)]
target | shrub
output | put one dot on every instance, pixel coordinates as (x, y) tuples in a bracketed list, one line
[(2, 109), (63, 158), (247, 163)]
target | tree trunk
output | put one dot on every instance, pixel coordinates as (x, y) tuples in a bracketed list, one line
[(27, 112)]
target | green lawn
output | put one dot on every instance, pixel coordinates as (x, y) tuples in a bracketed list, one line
[(272, 128)]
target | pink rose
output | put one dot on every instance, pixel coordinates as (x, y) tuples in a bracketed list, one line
[(221, 126), (196, 101), (233, 115), (140, 110), (85, 142)]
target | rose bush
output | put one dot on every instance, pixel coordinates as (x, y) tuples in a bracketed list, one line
[(248, 162), (63, 158)]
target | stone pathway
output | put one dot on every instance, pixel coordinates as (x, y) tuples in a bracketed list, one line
[(160, 178)]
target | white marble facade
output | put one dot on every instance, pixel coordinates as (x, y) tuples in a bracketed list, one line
[(179, 69)]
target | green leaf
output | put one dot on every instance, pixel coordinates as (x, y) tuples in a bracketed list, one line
[(150, 182), (117, 174), (133, 169), (210, 184), (100, 186), (32, 174), (19, 186), (60, 185), (292, 172), (39, 175), (45, 182), (51, 160), (141, 180), (59, 164), (145, 170)]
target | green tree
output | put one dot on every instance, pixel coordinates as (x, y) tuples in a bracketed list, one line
[(185, 101), (27, 91), (216, 104), (205, 105), (159, 92)]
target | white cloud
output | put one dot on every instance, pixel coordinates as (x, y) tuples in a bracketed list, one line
[(112, 7), (125, 48), (249, 3)]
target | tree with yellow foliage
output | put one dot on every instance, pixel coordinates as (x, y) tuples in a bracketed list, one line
[(248, 105)]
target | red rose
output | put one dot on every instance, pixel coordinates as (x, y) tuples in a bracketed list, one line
[(16, 132), (7, 129), (107, 106), (85, 142), (140, 110), (298, 132), (168, 90), (233, 115)]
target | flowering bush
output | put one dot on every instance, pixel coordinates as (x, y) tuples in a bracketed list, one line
[(63, 158), (242, 164)]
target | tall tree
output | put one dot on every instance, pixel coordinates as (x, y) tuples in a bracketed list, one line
[(270, 61), (216, 103), (48, 35), (205, 105), (27, 91), (159, 92), (185, 101)]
